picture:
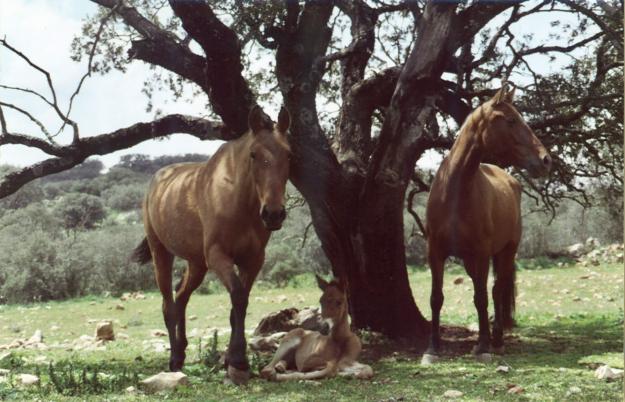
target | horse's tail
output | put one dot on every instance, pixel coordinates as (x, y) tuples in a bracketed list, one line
[(508, 296), (141, 254)]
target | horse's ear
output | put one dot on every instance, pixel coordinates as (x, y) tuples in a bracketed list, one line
[(258, 120), (510, 95), (500, 96), (341, 284), (284, 120), (321, 282)]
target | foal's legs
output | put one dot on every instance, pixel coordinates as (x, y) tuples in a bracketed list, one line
[(192, 279), (437, 265), (477, 268), (163, 261), (236, 358)]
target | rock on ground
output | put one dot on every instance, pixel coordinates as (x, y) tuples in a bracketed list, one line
[(164, 381), (452, 393), (28, 380), (606, 372), (104, 331), (291, 318)]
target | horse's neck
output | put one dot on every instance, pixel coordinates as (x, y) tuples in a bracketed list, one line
[(244, 193), (465, 157), (341, 330)]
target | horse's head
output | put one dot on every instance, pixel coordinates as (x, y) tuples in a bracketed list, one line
[(508, 140), (333, 300), (269, 161)]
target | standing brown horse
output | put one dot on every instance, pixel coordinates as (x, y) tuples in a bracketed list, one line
[(474, 212), (215, 215)]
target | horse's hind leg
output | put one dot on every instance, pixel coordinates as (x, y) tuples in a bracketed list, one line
[(503, 293), (285, 353), (477, 268), (437, 265), (163, 262), (192, 279)]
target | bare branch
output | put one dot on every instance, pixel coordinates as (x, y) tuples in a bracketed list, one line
[(72, 155)]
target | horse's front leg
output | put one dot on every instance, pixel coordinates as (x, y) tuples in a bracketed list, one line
[(477, 268), (237, 365)]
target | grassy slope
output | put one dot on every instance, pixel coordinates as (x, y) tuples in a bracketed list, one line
[(563, 319)]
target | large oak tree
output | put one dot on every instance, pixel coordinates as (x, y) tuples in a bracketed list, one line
[(403, 76)]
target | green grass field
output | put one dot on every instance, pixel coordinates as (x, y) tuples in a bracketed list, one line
[(570, 319)]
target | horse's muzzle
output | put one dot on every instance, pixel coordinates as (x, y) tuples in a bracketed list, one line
[(272, 219)]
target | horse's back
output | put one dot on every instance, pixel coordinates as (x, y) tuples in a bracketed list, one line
[(170, 209)]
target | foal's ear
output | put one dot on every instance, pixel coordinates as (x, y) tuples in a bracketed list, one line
[(321, 282), (284, 120), (258, 120)]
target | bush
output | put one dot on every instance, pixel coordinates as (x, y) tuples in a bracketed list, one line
[(125, 198), (80, 211)]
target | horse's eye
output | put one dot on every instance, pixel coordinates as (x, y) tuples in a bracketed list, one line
[(253, 155)]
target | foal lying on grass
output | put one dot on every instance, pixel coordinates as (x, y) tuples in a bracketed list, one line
[(314, 355)]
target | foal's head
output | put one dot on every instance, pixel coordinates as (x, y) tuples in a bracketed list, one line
[(269, 161), (333, 300), (507, 139)]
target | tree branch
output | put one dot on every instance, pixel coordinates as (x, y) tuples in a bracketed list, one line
[(74, 154)]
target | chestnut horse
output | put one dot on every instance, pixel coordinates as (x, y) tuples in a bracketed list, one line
[(474, 213), (214, 215)]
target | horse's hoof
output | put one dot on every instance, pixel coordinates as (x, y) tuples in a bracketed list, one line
[(236, 376), (484, 357), (498, 350), (429, 359)]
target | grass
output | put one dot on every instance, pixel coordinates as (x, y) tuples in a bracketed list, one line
[(570, 320)]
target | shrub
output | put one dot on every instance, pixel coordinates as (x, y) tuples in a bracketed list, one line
[(80, 211)]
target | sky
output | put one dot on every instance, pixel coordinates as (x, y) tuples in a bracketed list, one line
[(44, 29)]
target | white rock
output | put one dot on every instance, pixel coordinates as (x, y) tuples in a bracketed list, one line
[(158, 332), (606, 372), (27, 380), (104, 331), (576, 250), (502, 369), (474, 327), (164, 381), (131, 390), (54, 328), (4, 372), (36, 338), (192, 317), (574, 390), (452, 393)]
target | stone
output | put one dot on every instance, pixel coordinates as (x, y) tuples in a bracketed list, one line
[(502, 369), (55, 328), (267, 343), (282, 299), (158, 333), (119, 306), (164, 381), (36, 338), (27, 380), (4, 372), (453, 394), (574, 390), (192, 317), (606, 372), (131, 390), (104, 331), (516, 390), (576, 250)]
